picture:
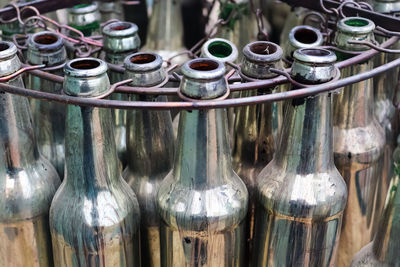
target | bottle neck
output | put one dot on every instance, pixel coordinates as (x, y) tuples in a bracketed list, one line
[(166, 26), (203, 145), (306, 144), (19, 149), (354, 106), (90, 153), (253, 140), (150, 141)]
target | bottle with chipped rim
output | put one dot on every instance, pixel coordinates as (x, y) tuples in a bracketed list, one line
[(359, 142), (301, 195), (28, 181), (202, 201), (253, 139), (150, 146), (94, 216)]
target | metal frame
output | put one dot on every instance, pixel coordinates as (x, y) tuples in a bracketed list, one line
[(326, 6)]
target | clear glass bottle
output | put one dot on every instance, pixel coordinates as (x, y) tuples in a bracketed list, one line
[(94, 216), (49, 117), (384, 250), (253, 137), (202, 201), (120, 40), (28, 181), (150, 143), (359, 143), (300, 193)]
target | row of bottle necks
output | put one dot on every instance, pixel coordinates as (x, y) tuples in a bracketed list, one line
[(203, 205)]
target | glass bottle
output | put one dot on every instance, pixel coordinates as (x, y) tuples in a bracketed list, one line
[(28, 181), (300, 193), (253, 139), (150, 143), (165, 33), (202, 201), (94, 216), (49, 117), (85, 18), (384, 250), (359, 142), (120, 40), (384, 88)]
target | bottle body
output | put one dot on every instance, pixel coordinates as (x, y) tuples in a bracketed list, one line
[(93, 223), (150, 141), (202, 207), (383, 251), (28, 181)]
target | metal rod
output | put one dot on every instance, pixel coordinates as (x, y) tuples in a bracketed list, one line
[(235, 87), (43, 6), (314, 90)]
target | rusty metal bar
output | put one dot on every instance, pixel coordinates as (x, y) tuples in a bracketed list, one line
[(43, 6), (200, 104)]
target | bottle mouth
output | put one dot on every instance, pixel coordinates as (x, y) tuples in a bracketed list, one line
[(206, 65), (203, 69), (315, 56), (143, 62), (120, 29), (7, 49), (46, 41), (85, 64), (356, 25), (84, 8), (262, 52), (85, 67), (220, 49), (305, 36)]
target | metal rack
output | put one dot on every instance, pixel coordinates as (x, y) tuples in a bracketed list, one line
[(386, 26)]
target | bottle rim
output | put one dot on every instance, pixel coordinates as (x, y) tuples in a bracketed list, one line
[(143, 62), (220, 49), (262, 52), (85, 67), (120, 29), (356, 25), (203, 69), (305, 36)]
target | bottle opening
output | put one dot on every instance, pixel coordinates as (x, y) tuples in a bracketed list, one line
[(81, 6), (358, 22), (85, 64), (315, 52), (220, 49), (45, 39), (306, 36), (121, 27), (143, 59), (204, 65), (263, 48), (4, 46)]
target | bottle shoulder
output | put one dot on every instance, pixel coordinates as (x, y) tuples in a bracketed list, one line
[(27, 192), (368, 140), (212, 208), (321, 194), (99, 207)]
